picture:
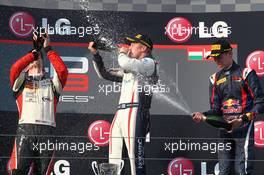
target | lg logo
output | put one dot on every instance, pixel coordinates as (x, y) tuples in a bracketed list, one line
[(259, 134), (98, 132), (21, 24), (180, 166), (180, 30), (183, 166), (61, 167), (256, 61)]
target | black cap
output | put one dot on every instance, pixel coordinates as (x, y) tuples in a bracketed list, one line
[(219, 47), (140, 38)]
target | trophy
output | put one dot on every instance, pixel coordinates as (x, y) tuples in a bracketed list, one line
[(107, 168), (105, 44)]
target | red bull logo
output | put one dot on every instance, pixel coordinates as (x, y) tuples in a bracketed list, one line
[(231, 106)]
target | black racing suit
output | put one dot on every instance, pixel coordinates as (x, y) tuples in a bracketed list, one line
[(27, 150), (234, 92)]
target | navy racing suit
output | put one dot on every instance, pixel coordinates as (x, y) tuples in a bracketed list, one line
[(234, 92)]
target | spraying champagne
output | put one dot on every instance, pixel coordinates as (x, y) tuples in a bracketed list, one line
[(105, 44), (216, 121)]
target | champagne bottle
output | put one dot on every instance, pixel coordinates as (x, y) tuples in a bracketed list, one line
[(217, 122), (102, 43), (38, 43)]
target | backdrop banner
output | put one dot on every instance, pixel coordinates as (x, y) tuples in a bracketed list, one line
[(176, 145)]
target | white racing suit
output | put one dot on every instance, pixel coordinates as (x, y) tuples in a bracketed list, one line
[(131, 121), (36, 99)]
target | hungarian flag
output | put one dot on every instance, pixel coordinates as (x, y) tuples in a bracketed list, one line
[(198, 53)]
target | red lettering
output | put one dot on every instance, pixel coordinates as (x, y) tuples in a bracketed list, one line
[(77, 82)]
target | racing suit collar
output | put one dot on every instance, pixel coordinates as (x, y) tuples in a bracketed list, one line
[(36, 77), (233, 66)]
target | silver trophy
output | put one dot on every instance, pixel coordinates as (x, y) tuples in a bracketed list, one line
[(107, 168)]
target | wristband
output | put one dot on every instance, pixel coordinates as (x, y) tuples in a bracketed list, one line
[(122, 52), (247, 117), (35, 53), (47, 49), (250, 116)]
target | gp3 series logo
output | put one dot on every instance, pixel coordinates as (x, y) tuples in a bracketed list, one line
[(98, 132), (180, 30), (77, 81)]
